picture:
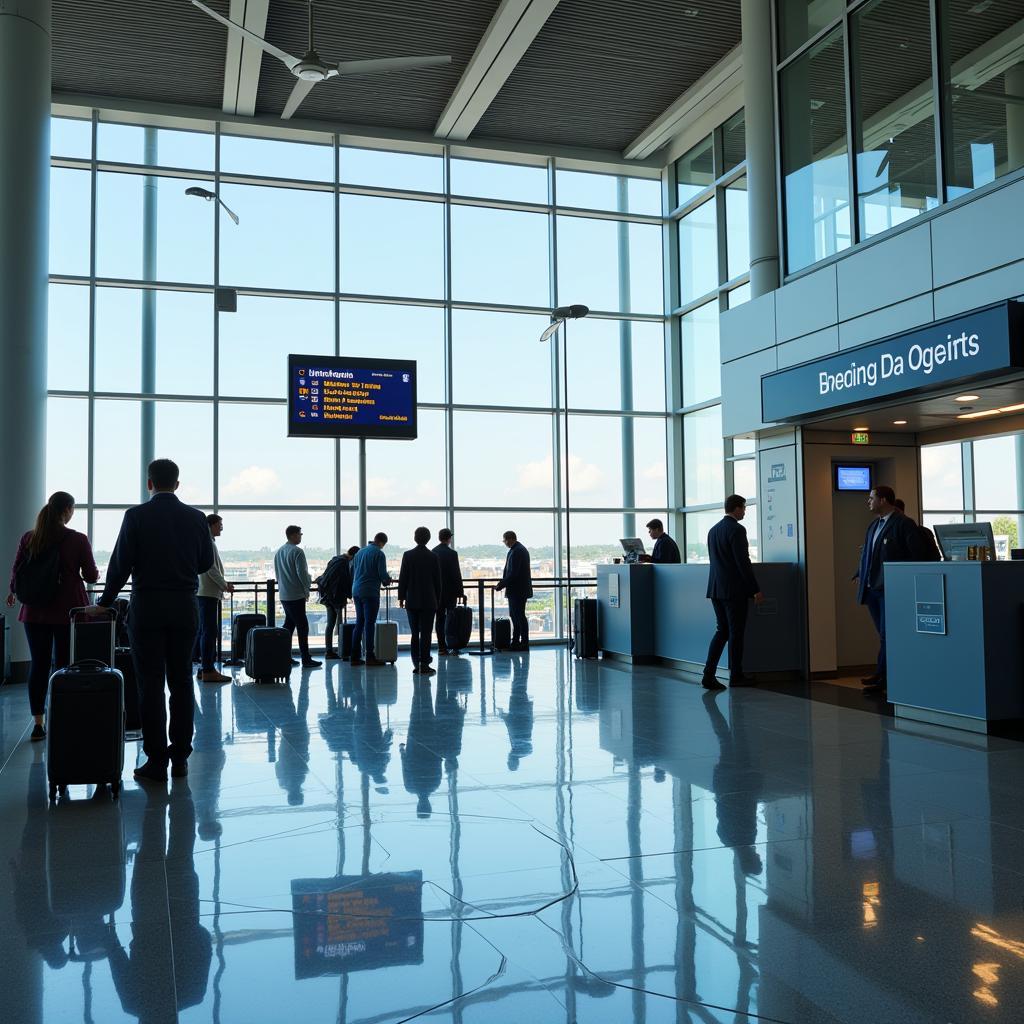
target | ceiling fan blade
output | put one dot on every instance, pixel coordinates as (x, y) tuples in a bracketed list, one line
[(367, 67), (285, 58), (298, 94)]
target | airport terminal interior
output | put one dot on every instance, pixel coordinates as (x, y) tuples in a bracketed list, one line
[(562, 268)]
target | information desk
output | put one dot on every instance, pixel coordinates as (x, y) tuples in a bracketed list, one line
[(653, 613), (954, 642)]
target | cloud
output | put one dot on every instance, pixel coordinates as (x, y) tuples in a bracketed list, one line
[(252, 482), (381, 487), (539, 475), (655, 471)]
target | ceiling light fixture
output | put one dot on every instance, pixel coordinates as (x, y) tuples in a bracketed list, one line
[(1012, 408), (966, 398), (899, 423), (861, 428), (979, 415)]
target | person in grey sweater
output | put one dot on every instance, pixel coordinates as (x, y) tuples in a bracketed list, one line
[(212, 587), (293, 586)]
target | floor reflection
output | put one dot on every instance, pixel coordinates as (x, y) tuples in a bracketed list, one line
[(568, 841)]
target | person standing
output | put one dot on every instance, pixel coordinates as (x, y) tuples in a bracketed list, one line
[(419, 593), (369, 574), (517, 582), (164, 546), (666, 550), (45, 612), (731, 585), (293, 584), (452, 589), (212, 587), (892, 537), (335, 588)]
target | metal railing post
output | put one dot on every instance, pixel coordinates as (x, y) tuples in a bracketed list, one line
[(271, 602)]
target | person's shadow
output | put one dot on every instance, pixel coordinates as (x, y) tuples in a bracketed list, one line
[(421, 762), (450, 717), (371, 742), (337, 724), (290, 756), (518, 718), (207, 761)]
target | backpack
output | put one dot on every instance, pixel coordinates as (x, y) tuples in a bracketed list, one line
[(330, 581), (38, 577)]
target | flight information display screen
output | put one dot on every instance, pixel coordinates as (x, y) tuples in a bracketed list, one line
[(339, 396)]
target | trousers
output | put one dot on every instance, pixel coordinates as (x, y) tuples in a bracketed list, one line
[(874, 598), (731, 625), (421, 621), (48, 646), (295, 621), (520, 624), (366, 620)]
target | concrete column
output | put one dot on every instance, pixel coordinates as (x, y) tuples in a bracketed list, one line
[(24, 255), (626, 368), (759, 92)]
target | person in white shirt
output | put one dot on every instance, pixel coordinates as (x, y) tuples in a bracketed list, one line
[(293, 586), (212, 588)]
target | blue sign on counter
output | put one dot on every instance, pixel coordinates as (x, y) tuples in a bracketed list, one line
[(983, 343), (930, 603)]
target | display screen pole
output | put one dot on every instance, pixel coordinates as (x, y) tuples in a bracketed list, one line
[(363, 539)]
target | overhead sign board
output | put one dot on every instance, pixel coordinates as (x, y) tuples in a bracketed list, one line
[(984, 343)]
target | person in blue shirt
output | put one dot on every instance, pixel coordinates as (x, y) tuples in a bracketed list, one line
[(369, 574)]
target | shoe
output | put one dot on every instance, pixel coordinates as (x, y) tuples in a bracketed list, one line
[(443, 652), (331, 655), (38, 732), (741, 681), (416, 669), (310, 663), (519, 647), (151, 772), (357, 661), (295, 662), (711, 683), (213, 676), (879, 686), (374, 661), (179, 769), (871, 680), (426, 670)]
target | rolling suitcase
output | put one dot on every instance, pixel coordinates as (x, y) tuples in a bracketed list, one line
[(240, 627), (458, 627), (348, 630), (268, 654), (501, 633), (385, 641), (85, 715), (584, 627)]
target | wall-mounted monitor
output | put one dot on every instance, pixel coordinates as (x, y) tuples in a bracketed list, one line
[(341, 396), (853, 478)]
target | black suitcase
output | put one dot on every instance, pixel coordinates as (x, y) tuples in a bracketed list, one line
[(501, 633), (240, 631), (132, 714), (584, 627), (458, 627), (348, 630), (268, 654)]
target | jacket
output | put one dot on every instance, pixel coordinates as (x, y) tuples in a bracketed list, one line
[(451, 575), (76, 564), (292, 573), (369, 571), (419, 579), (732, 576), (335, 582), (666, 551), (897, 540), (516, 576), (212, 582)]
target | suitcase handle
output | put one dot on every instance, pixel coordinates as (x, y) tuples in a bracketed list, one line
[(78, 614)]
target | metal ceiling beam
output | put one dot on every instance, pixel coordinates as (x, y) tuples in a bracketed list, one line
[(513, 28), (243, 59)]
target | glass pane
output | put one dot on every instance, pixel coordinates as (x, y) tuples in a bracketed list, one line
[(482, 553), (67, 448), (486, 180), (738, 296), (71, 137), (995, 473), (800, 20), (610, 265), (695, 171), (750, 525), (184, 433), (589, 191), (984, 83), (595, 461), (942, 477), (650, 463), (744, 446), (70, 221), (273, 158), (698, 253), (595, 539), (255, 342), (894, 116), (399, 332), (606, 354), (737, 228), (1006, 528), (503, 459), (392, 247), (734, 142), (702, 367), (499, 256), (697, 526), (251, 538), (182, 250), (378, 168), (106, 524), (817, 186), (703, 457), (261, 465), (67, 351), (283, 239), (484, 344), (744, 479), (126, 144), (117, 453)]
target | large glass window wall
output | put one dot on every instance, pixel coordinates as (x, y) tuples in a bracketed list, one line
[(361, 251)]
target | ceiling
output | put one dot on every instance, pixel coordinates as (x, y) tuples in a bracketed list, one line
[(594, 76)]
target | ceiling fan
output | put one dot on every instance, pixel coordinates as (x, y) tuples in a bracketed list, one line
[(310, 69)]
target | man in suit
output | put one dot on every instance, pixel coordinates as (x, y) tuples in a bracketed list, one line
[(666, 550), (892, 537), (731, 585), (419, 593), (517, 583), (451, 584), (164, 546)]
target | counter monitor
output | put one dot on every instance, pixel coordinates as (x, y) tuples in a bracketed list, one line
[(955, 538)]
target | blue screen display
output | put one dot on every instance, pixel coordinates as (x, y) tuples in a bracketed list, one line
[(336, 396), (853, 478)]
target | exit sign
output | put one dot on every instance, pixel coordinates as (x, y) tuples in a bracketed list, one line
[(860, 437)]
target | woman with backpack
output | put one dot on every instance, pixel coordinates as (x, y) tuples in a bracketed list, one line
[(47, 578)]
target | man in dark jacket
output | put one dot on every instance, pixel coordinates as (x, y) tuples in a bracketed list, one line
[(892, 537), (335, 588), (731, 585), (451, 584), (419, 593), (666, 550), (163, 546), (517, 582)]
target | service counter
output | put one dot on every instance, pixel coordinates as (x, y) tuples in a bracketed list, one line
[(659, 613), (954, 641)]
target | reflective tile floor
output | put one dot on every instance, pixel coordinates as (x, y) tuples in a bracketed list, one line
[(520, 839)]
